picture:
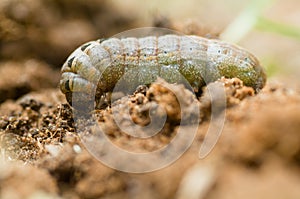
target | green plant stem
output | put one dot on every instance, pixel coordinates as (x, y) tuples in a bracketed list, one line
[(279, 28), (245, 21)]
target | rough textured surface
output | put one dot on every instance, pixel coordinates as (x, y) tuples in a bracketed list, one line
[(41, 155), (251, 146)]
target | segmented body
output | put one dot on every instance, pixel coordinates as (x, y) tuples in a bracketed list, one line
[(96, 67)]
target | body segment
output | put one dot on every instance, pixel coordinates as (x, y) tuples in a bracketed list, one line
[(96, 67)]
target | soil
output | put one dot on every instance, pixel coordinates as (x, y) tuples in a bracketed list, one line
[(44, 147)]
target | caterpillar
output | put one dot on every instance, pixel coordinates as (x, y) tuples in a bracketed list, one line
[(96, 67)]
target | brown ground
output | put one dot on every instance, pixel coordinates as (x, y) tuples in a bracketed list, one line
[(257, 155)]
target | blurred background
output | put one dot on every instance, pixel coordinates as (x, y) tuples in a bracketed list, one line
[(36, 36)]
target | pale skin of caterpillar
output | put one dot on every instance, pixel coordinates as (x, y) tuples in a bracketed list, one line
[(96, 67)]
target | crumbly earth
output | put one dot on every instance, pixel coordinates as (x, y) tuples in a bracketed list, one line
[(259, 146), (43, 147)]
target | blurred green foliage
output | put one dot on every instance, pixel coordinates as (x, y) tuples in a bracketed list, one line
[(279, 28), (252, 18)]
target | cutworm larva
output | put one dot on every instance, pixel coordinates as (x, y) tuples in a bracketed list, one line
[(97, 66)]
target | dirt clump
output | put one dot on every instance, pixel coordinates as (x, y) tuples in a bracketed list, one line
[(19, 78), (25, 181), (40, 130), (64, 25)]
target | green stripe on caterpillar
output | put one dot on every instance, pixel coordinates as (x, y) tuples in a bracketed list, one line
[(97, 66)]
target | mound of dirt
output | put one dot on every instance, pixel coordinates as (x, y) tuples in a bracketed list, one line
[(257, 142)]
